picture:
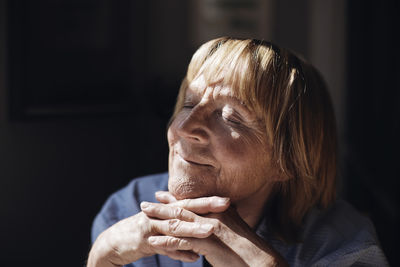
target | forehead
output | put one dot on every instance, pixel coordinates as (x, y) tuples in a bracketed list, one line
[(220, 93), (201, 86)]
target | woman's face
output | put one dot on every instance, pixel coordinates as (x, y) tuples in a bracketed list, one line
[(218, 146)]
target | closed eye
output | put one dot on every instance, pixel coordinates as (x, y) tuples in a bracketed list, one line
[(230, 120), (188, 105), (231, 116)]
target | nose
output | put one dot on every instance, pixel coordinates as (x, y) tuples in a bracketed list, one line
[(193, 125)]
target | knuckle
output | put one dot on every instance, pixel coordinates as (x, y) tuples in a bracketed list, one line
[(216, 225), (182, 243), (178, 212), (171, 242), (173, 225)]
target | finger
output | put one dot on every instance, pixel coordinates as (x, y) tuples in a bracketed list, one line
[(164, 212), (178, 228), (187, 256), (173, 247), (165, 197), (176, 254), (213, 249), (204, 205), (198, 205), (170, 243)]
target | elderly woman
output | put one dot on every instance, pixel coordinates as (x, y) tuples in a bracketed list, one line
[(251, 179)]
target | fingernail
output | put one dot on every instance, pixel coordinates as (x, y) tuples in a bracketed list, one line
[(206, 228), (144, 205), (223, 201), (220, 202)]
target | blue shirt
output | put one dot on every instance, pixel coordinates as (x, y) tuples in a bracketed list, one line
[(338, 236)]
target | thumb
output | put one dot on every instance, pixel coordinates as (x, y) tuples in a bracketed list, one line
[(165, 197)]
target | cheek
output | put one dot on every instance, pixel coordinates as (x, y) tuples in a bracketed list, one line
[(171, 141), (171, 135), (236, 147)]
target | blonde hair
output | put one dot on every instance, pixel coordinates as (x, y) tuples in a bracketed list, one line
[(292, 99)]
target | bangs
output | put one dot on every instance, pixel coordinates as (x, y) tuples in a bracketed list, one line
[(292, 101), (234, 63)]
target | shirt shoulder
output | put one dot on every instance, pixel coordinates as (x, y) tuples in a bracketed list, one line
[(338, 236), (126, 201)]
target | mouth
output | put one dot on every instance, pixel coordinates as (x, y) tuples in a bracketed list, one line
[(194, 162), (198, 164)]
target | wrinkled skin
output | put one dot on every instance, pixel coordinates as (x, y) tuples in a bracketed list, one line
[(220, 177), (182, 230)]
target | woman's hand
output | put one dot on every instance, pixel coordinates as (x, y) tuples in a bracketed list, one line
[(233, 242), (130, 239)]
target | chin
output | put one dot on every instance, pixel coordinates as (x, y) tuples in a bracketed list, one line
[(184, 186), (183, 191)]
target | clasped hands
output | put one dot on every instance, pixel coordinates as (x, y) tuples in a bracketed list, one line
[(183, 230)]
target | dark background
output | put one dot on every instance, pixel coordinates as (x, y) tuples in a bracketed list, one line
[(87, 88)]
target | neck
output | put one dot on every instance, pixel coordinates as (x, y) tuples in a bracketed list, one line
[(251, 209)]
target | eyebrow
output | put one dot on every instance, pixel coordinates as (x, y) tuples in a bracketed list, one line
[(238, 104)]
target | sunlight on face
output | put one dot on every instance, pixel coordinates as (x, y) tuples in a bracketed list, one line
[(217, 146)]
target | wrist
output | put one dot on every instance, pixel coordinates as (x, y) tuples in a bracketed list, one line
[(99, 255)]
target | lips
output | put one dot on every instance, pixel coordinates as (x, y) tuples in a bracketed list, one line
[(191, 159), (195, 163)]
